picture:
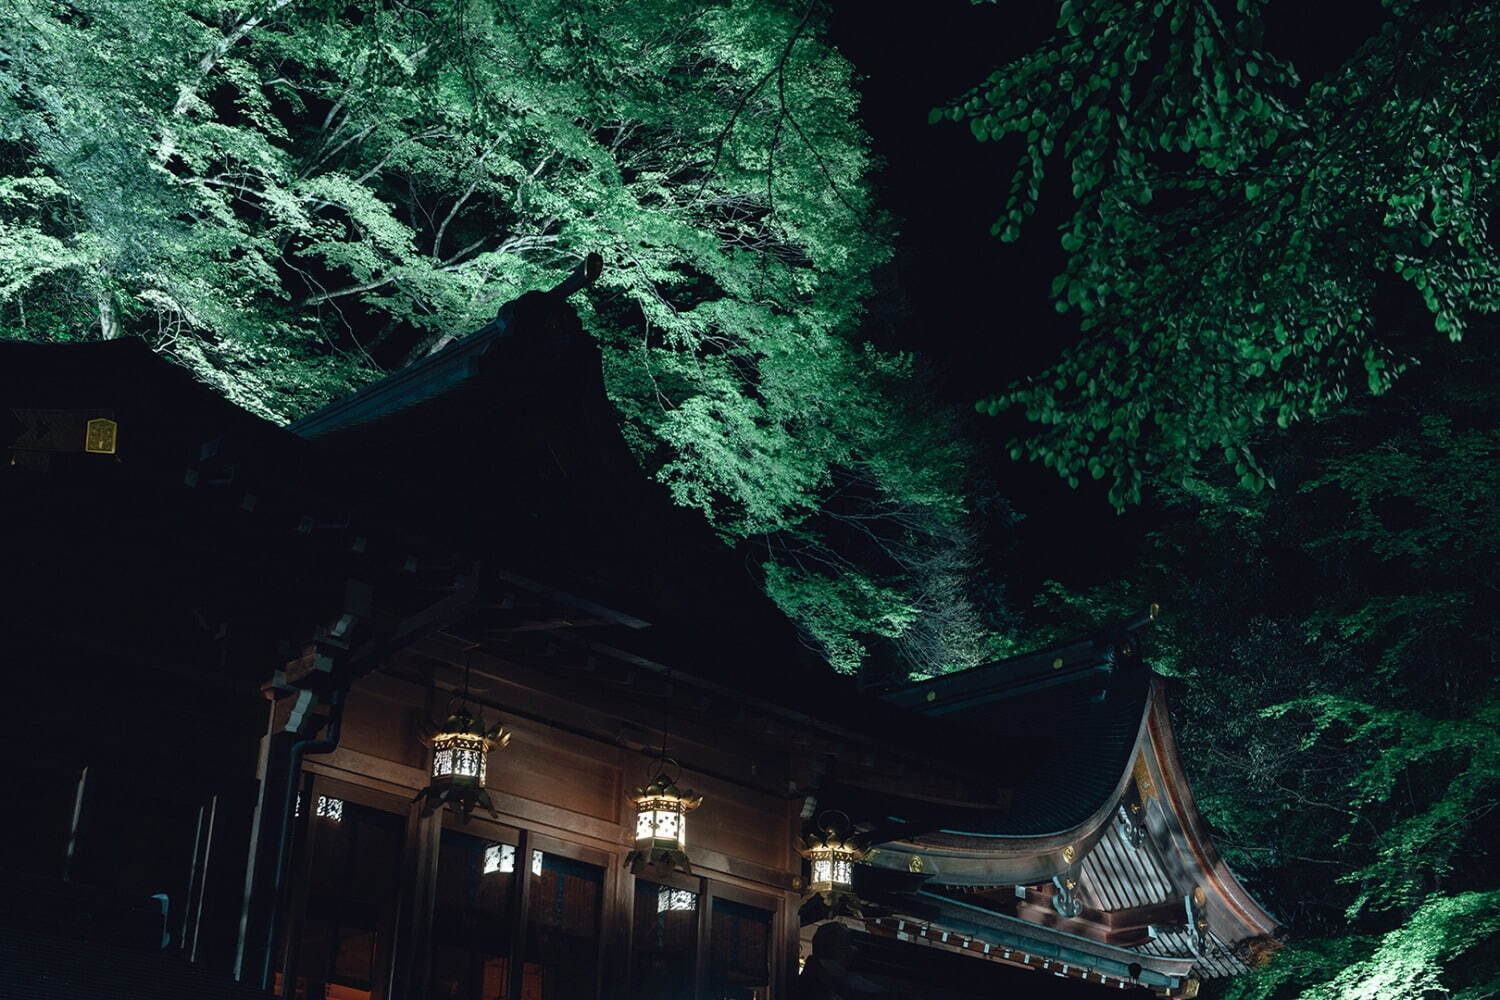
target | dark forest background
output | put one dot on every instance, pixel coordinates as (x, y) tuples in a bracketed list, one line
[(972, 327)]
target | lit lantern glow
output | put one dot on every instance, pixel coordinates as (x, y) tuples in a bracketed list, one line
[(460, 756), (661, 824), (831, 872), (661, 810), (460, 764), (832, 852)]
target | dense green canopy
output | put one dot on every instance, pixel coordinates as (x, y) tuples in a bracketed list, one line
[(1245, 250), (290, 197), (1334, 648), (1253, 263)]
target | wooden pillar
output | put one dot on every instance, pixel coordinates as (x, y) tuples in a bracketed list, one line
[(705, 939), (411, 958), (521, 900), (192, 910), (784, 958), (619, 918), (298, 881), (784, 972), (253, 954)]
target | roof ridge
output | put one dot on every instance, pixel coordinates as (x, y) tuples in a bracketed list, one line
[(1027, 672)]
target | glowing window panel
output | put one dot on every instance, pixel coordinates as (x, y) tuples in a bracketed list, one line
[(330, 808), (669, 899), (499, 858), (536, 863)]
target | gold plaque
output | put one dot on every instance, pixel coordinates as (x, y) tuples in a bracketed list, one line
[(1143, 779), (1069, 853), (99, 436), (915, 865)]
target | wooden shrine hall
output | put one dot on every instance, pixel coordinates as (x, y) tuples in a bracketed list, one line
[(433, 694)]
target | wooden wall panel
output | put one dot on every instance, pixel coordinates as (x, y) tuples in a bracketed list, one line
[(383, 727), (737, 821), (559, 768)]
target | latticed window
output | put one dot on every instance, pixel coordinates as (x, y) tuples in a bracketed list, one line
[(473, 915), (665, 934), (740, 951), (675, 899), (355, 857), (562, 938), (499, 858)]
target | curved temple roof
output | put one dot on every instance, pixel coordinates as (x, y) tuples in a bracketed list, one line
[(1102, 867)]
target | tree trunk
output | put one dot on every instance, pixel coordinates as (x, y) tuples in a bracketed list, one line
[(109, 321)]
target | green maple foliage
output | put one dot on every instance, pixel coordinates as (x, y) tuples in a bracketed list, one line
[(1252, 260), (293, 197), (1334, 648), (1237, 232)]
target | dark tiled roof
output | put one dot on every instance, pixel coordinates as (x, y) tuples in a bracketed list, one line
[(1062, 723), (1075, 749), (1085, 661)]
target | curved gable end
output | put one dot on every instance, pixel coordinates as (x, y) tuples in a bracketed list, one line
[(1101, 868)]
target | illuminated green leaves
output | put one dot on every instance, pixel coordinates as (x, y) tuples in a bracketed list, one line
[(1220, 206), (292, 198), (1333, 644)]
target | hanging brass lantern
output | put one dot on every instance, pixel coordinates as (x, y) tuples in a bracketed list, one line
[(460, 763), (832, 850), (661, 809)]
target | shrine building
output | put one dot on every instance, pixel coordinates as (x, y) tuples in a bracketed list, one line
[(434, 694)]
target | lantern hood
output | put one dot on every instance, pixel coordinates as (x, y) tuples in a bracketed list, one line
[(663, 787), (461, 723)]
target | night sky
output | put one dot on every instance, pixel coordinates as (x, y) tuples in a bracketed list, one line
[(976, 308)]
